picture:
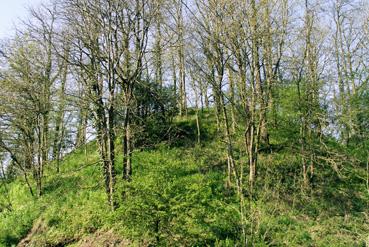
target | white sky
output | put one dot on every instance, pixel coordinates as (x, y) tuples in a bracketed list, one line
[(10, 13)]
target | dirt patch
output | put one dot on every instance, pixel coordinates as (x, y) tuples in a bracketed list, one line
[(103, 239), (98, 239), (38, 227)]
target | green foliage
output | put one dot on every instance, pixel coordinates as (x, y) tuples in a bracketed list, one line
[(156, 107), (171, 202), (177, 197), (15, 224)]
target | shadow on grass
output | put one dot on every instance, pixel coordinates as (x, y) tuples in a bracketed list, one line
[(184, 132), (328, 194), (61, 185), (340, 196)]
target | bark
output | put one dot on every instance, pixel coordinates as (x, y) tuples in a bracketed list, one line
[(256, 122), (59, 121), (158, 53), (232, 98), (82, 127), (181, 58), (197, 107), (127, 166)]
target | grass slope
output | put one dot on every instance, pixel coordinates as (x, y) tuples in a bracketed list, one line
[(177, 197)]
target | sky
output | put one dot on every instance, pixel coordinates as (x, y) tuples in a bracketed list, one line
[(10, 13)]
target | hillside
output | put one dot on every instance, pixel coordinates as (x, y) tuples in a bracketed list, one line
[(185, 123), (178, 197)]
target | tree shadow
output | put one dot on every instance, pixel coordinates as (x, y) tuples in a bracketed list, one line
[(62, 184)]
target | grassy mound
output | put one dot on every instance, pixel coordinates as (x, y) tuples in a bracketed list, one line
[(178, 197)]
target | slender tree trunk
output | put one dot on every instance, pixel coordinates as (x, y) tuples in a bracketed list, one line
[(158, 53), (82, 127), (174, 74), (256, 107), (232, 99), (127, 166), (181, 57), (197, 107), (59, 121)]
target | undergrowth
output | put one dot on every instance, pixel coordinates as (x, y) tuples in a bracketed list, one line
[(178, 197)]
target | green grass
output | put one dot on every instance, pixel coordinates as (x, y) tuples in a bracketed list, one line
[(178, 197)]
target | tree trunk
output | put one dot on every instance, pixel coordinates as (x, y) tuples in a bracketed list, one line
[(59, 121)]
